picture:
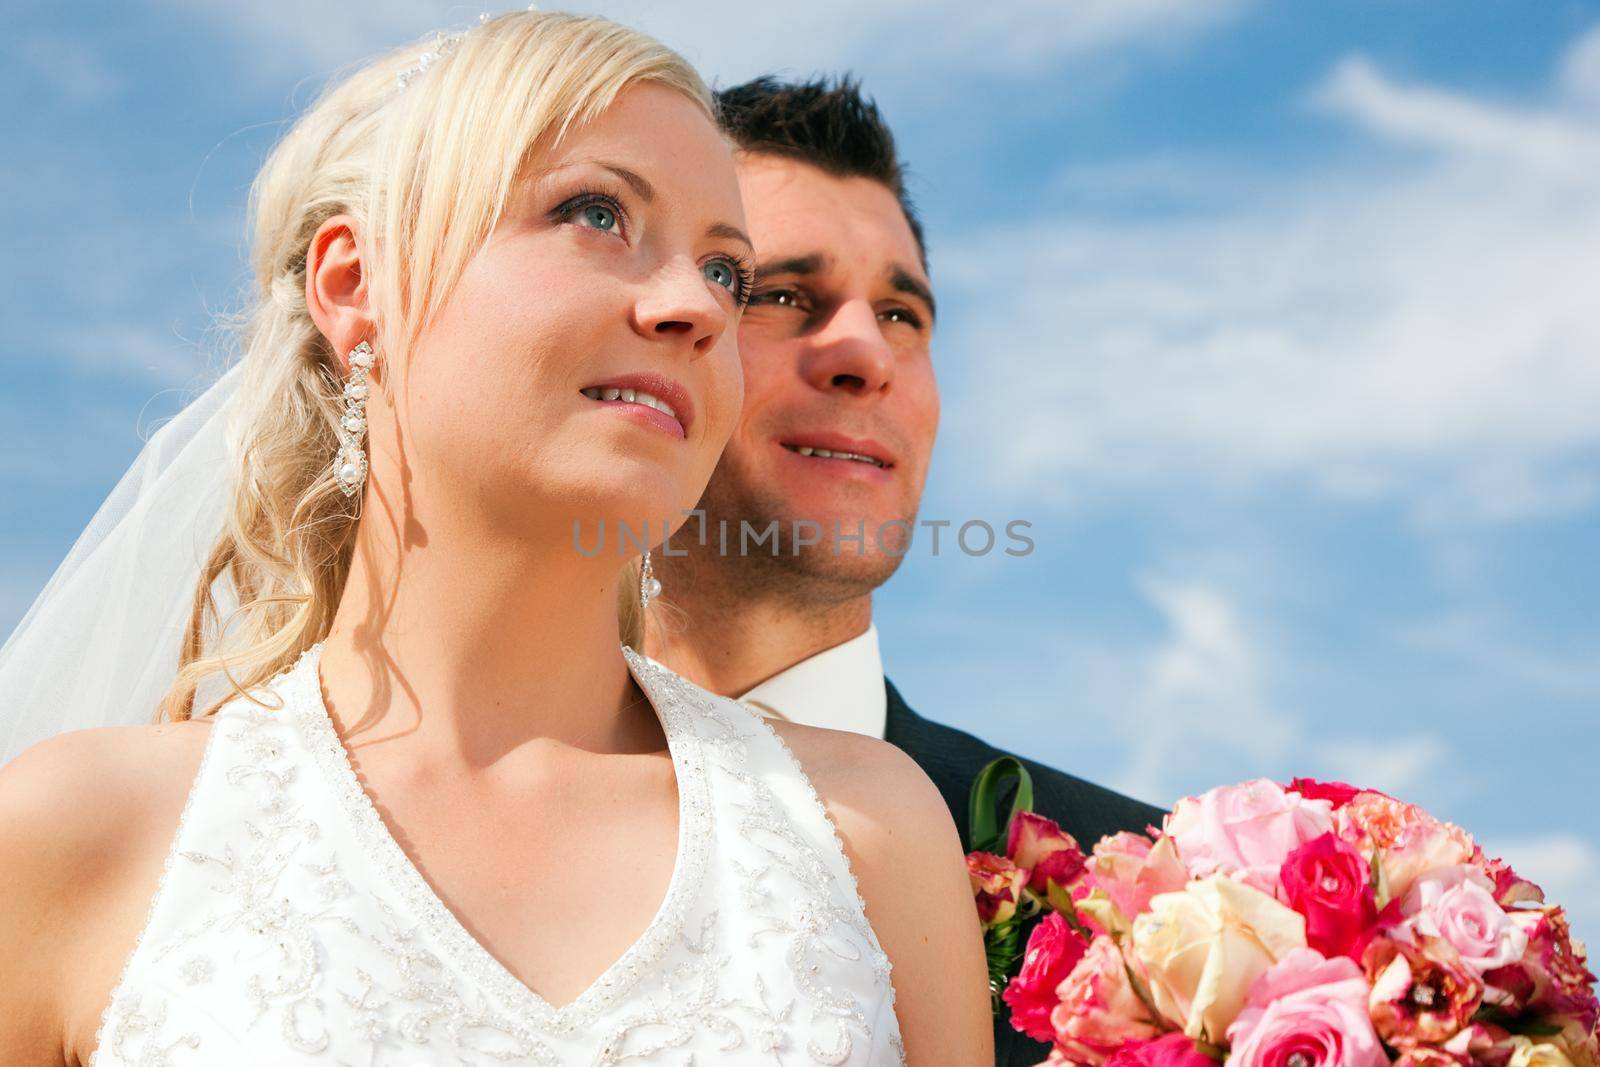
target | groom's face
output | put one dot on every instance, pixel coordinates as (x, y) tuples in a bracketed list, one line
[(835, 348)]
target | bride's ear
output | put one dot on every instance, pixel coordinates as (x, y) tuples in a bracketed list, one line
[(336, 286)]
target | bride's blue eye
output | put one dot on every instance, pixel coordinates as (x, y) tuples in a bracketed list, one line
[(733, 275), (594, 211), (722, 272), (600, 217)]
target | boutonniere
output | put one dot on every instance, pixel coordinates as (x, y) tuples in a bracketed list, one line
[(1020, 871)]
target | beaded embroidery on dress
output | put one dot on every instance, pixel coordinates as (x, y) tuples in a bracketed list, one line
[(290, 927)]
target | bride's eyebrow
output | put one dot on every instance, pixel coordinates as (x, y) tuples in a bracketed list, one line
[(647, 192), (636, 181)]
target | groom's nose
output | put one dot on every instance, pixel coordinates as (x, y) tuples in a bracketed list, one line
[(849, 352)]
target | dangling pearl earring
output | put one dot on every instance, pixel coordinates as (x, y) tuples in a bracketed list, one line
[(649, 584), (350, 467)]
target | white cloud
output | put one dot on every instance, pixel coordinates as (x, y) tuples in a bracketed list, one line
[(1200, 703), (1208, 659), (1560, 147), (296, 37), (1485, 643), (1580, 70), (71, 67), (1423, 332), (1399, 766), (303, 38), (129, 350), (1202, 706)]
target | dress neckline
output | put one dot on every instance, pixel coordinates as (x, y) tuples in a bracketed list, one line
[(465, 950)]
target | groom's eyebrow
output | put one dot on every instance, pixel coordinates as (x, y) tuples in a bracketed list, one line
[(810, 264), (906, 282)]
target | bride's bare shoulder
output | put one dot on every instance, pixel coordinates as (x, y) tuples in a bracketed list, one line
[(128, 764), (903, 849), (86, 819), (878, 797), (73, 805)]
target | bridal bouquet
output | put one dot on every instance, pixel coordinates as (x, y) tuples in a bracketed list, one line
[(1313, 925)]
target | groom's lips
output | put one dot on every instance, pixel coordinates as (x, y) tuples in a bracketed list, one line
[(882, 460), (842, 443)]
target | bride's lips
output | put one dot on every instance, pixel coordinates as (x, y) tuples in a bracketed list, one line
[(659, 386)]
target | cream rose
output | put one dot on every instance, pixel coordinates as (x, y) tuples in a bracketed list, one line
[(1526, 1053), (1201, 948)]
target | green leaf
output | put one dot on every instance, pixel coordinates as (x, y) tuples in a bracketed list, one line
[(1003, 946), (981, 803)]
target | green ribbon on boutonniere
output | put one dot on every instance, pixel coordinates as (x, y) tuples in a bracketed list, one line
[(980, 805), (1003, 943)]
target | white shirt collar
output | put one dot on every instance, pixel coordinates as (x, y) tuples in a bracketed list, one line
[(840, 688)]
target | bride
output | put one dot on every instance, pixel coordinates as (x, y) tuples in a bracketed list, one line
[(436, 813)]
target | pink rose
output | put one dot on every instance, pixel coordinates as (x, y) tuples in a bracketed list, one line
[(1329, 883), (1049, 853), (1421, 994), (1338, 793), (1457, 904), (1099, 1009), (1170, 1050), (1246, 831), (1054, 949), (1124, 873), (997, 885), (1309, 1011)]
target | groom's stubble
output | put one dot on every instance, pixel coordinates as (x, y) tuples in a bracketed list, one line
[(790, 566)]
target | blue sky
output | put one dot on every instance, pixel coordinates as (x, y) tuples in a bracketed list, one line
[(1276, 321)]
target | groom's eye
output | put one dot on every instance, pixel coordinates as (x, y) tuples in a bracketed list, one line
[(905, 315), (777, 297)]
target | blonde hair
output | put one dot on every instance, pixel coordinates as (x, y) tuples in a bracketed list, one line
[(426, 171)]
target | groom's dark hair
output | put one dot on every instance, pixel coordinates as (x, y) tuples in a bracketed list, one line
[(825, 122)]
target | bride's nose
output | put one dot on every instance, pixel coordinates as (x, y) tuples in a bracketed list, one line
[(677, 306)]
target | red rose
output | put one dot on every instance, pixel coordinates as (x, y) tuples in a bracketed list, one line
[(1169, 1050), (1338, 792), (1329, 883), (1054, 949)]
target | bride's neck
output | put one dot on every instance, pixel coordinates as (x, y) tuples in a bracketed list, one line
[(476, 648)]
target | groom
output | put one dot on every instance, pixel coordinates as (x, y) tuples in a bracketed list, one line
[(840, 413)]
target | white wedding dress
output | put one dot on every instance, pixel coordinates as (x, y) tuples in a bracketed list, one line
[(290, 927)]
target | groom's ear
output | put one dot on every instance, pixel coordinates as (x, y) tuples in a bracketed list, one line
[(336, 285)]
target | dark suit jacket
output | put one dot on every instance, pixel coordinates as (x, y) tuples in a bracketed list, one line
[(953, 758)]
